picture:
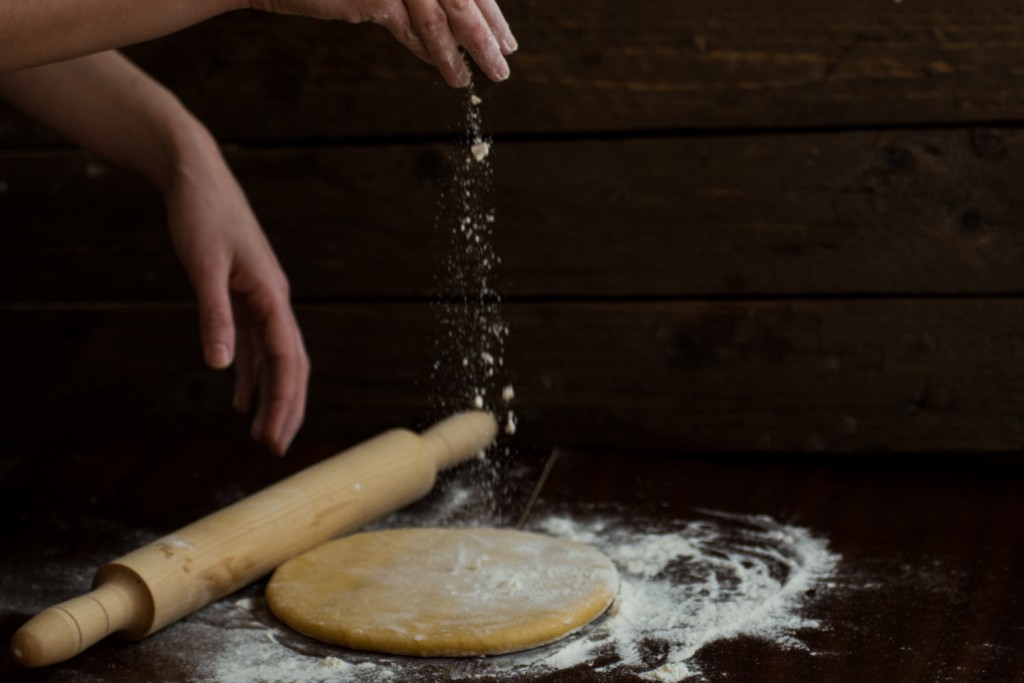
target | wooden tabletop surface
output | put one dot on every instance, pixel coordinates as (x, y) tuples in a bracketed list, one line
[(928, 585)]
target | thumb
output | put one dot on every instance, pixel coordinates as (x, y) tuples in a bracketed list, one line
[(216, 322)]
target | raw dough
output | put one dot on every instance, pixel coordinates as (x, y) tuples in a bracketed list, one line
[(443, 592)]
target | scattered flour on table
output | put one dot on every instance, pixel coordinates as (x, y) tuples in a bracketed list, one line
[(684, 584), (699, 582)]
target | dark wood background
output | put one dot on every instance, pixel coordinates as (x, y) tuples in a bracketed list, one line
[(732, 226)]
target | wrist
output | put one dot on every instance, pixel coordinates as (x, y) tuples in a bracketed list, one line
[(190, 157)]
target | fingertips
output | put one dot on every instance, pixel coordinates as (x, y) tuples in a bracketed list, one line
[(294, 408), (284, 377), (216, 324), (453, 68), (217, 355), (509, 47), (456, 72), (473, 32), (430, 22), (499, 26), (275, 432), (487, 53), (298, 411)]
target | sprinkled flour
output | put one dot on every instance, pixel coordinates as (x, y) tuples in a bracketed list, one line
[(684, 585), (470, 368)]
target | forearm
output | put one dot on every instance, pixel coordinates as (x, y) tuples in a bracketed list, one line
[(109, 106), (34, 32)]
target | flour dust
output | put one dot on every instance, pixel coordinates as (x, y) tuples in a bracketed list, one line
[(469, 371), (685, 584)]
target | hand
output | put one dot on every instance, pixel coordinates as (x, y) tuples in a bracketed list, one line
[(108, 105), (244, 309), (432, 29)]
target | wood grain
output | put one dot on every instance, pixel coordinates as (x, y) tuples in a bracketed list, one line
[(900, 212), (597, 66), (757, 226), (912, 375)]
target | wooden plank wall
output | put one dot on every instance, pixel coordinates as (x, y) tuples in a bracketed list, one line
[(734, 226)]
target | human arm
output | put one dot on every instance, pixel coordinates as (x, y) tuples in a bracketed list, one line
[(36, 32), (111, 107), (43, 31)]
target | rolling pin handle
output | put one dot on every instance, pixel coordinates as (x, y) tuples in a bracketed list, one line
[(459, 437), (61, 632)]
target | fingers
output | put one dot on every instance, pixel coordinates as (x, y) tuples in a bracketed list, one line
[(269, 350), (396, 20), (298, 404), (282, 402), (444, 25), (496, 20), (246, 359), (216, 322), (473, 32), (430, 21), (283, 373)]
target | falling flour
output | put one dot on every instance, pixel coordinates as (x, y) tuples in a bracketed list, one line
[(469, 371), (480, 149)]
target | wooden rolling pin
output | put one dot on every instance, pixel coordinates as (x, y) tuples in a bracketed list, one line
[(170, 578)]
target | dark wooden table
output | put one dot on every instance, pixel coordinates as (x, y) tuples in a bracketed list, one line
[(929, 587)]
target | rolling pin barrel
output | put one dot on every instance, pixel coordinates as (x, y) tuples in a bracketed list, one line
[(159, 583)]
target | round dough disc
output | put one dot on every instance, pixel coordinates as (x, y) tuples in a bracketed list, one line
[(443, 592)]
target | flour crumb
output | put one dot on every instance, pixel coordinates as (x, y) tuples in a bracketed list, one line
[(487, 358), (334, 663), (669, 673), (474, 100), (480, 149), (510, 423), (243, 603), (478, 402), (508, 393)]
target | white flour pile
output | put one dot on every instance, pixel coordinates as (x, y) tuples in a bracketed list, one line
[(685, 584)]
